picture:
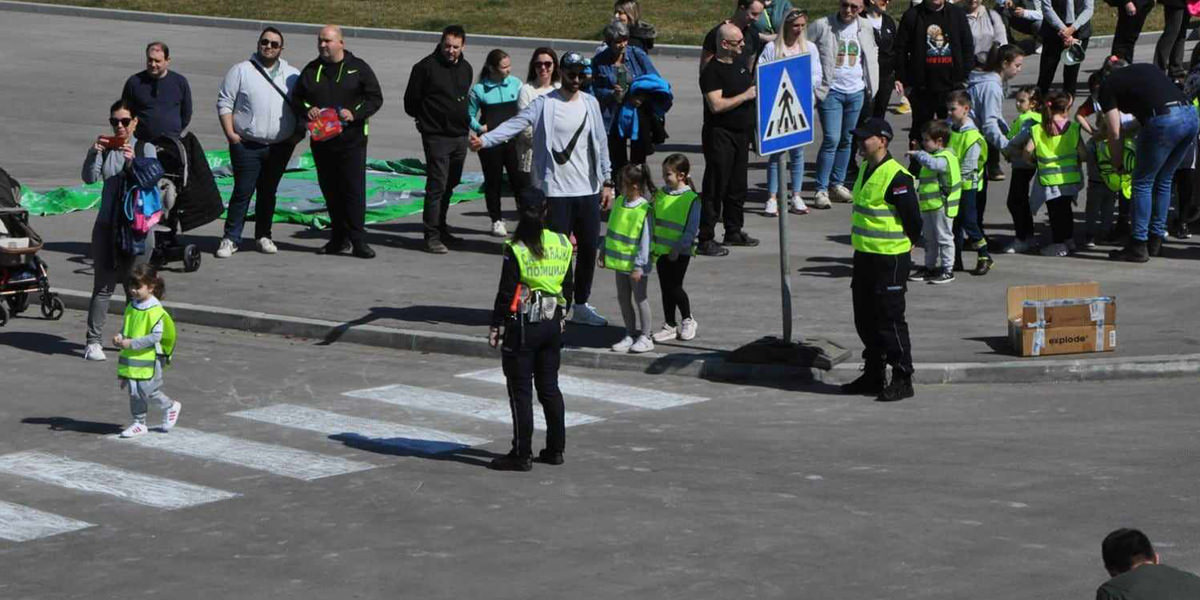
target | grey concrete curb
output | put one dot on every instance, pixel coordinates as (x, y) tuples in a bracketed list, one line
[(709, 365), (400, 35)]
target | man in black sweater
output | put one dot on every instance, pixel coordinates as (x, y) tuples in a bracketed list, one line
[(437, 98), (160, 98), (934, 53), (338, 79)]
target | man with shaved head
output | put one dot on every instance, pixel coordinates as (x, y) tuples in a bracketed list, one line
[(342, 81)]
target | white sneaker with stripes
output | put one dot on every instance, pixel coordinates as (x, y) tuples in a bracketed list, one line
[(170, 416), (134, 430)]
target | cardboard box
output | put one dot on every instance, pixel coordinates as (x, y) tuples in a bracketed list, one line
[(1066, 318)]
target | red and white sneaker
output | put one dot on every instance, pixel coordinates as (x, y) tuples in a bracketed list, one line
[(170, 416), (134, 430)]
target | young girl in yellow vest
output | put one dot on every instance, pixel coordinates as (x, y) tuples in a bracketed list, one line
[(1025, 192), (939, 191), (627, 252), (147, 340), (971, 149), (676, 222), (1057, 147)]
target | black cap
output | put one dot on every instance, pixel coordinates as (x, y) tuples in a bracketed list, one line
[(572, 60), (872, 127)]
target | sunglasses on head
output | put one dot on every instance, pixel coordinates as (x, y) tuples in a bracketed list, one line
[(270, 44), (122, 122)]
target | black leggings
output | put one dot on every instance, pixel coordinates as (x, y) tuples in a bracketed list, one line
[(495, 161), (1062, 218), (1018, 202), (670, 279)]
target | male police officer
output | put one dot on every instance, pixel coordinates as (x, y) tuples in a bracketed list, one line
[(886, 223)]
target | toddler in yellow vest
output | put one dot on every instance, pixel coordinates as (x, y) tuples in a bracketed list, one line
[(147, 340), (939, 191), (676, 223), (627, 252)]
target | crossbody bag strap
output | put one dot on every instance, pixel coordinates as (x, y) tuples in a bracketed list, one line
[(283, 94)]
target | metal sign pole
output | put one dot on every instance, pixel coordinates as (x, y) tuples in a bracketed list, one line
[(785, 279)]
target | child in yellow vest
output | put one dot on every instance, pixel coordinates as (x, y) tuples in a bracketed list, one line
[(971, 149), (676, 222), (1025, 194), (147, 340), (627, 252), (939, 191), (1056, 146)]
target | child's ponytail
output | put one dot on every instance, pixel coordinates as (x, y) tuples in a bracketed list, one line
[(146, 275)]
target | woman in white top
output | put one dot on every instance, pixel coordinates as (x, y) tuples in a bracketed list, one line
[(793, 42), (542, 79)]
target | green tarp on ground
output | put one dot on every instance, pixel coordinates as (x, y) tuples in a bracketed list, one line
[(395, 189)]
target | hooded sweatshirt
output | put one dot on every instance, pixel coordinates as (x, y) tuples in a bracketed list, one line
[(350, 84), (436, 95), (986, 90)]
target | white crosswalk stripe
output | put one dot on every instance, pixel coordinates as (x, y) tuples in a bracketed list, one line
[(487, 409), (278, 460), (21, 523), (84, 476), (607, 392), (350, 429)]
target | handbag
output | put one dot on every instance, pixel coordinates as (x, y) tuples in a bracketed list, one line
[(301, 127)]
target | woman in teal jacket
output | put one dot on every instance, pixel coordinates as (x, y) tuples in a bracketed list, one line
[(493, 100)]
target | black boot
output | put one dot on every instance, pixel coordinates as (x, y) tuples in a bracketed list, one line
[(550, 457), (868, 384), (1134, 251), (898, 389), (511, 462), (1154, 246)]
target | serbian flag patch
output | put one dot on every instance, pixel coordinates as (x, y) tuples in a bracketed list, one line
[(899, 190)]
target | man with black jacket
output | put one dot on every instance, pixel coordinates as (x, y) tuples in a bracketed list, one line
[(886, 222), (338, 79), (436, 97), (934, 53)]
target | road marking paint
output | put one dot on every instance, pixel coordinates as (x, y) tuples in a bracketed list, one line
[(608, 392), (21, 523), (357, 431), (278, 460), (96, 478), (458, 404)]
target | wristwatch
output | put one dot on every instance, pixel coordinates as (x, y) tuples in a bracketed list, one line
[(608, 183)]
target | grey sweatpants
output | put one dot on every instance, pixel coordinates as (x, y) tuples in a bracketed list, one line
[(105, 277), (144, 391), (629, 292), (939, 240)]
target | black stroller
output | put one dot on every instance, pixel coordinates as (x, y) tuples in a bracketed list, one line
[(190, 200), (22, 273)]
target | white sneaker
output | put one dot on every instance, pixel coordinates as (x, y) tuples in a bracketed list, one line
[(666, 333), (624, 345), (821, 200), (1018, 247), (643, 344), (266, 246), (226, 249), (94, 352), (841, 194), (498, 229), (170, 416), (134, 430), (1059, 249), (772, 209), (798, 207), (584, 314), (687, 329)]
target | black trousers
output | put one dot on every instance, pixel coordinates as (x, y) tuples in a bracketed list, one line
[(1128, 30), (879, 105), (927, 105), (670, 279), (726, 155), (878, 288), (1168, 53), (444, 157), (579, 215), (1062, 218), (1018, 202), (1052, 48), (342, 175), (495, 161), (531, 358), (619, 156)]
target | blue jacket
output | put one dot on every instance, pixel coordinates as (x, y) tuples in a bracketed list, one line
[(657, 97), (490, 92), (605, 77)]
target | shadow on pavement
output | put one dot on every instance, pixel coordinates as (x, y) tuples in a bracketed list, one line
[(426, 449), (475, 317), (837, 268), (43, 343), (69, 424), (999, 344)]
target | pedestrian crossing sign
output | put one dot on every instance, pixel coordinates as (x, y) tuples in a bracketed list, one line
[(785, 104)]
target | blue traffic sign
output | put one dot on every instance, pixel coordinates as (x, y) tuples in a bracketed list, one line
[(785, 104)]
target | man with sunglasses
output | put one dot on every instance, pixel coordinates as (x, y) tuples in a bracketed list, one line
[(254, 106), (571, 166), (161, 99)]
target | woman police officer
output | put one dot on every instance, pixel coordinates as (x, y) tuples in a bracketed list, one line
[(535, 282)]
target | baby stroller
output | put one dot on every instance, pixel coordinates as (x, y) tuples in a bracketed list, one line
[(190, 200), (22, 273)]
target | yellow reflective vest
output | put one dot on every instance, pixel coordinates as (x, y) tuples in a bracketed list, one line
[(1019, 122), (546, 273), (139, 364), (1122, 183), (625, 226), (875, 227), (670, 220), (935, 190), (960, 142), (1057, 155)]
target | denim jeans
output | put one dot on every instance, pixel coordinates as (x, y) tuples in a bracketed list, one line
[(966, 225), (257, 169), (838, 113), (1161, 146), (796, 166)]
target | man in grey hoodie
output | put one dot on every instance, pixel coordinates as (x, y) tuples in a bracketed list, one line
[(256, 114)]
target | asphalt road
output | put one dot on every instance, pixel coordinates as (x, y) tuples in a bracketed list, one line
[(744, 492)]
